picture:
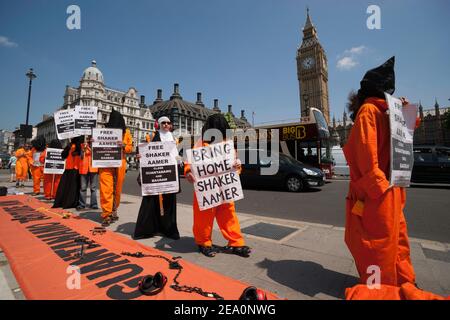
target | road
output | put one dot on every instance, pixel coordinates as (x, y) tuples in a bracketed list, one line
[(427, 208)]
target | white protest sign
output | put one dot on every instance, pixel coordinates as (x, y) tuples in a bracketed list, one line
[(159, 170), (105, 150), (65, 124), (402, 121), (216, 181), (85, 119), (54, 163)]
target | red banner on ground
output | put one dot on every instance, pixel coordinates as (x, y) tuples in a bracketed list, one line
[(41, 249)]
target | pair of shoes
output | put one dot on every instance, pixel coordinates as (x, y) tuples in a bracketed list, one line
[(79, 208), (94, 208), (35, 193), (106, 222), (207, 251), (243, 251)]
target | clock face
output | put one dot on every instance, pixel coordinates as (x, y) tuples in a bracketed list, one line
[(308, 63)]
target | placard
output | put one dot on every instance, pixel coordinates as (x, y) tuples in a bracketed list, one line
[(105, 150), (54, 163), (159, 170), (85, 119), (65, 124), (216, 180), (402, 123)]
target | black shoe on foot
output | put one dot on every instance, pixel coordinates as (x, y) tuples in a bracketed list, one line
[(207, 251), (243, 251)]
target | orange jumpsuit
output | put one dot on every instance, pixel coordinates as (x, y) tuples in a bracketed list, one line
[(111, 180), (375, 230), (51, 181), (21, 165), (225, 215), (37, 170), (406, 292)]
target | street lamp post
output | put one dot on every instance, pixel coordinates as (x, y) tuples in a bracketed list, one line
[(31, 75)]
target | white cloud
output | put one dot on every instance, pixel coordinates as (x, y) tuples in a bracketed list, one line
[(346, 63), (356, 50), (4, 42), (348, 60)]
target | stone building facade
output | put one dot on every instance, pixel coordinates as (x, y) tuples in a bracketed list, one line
[(92, 91)]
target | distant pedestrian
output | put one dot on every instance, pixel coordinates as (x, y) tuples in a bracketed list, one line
[(12, 167)]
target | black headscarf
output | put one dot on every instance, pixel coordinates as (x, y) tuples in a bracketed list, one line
[(116, 121), (377, 81), (77, 141), (55, 143), (216, 121), (39, 143)]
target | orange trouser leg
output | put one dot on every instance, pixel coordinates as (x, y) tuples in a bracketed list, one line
[(56, 184), (368, 250), (203, 224), (48, 185), (21, 171), (106, 176), (37, 174), (119, 183), (49, 180), (229, 224), (405, 270)]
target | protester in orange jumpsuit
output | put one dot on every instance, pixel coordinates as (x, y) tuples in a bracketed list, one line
[(37, 168), (51, 181), (111, 179), (375, 230), (225, 213), (21, 166)]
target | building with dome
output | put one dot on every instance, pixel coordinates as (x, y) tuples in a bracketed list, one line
[(188, 117), (92, 91)]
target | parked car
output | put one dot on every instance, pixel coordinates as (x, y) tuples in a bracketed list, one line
[(340, 163), (292, 174), (431, 164)]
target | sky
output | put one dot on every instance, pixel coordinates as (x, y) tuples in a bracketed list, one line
[(241, 52)]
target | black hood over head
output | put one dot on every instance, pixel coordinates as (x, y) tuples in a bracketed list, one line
[(39, 143), (116, 121), (216, 121), (56, 144), (377, 81)]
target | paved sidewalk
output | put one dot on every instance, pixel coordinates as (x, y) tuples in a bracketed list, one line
[(299, 261)]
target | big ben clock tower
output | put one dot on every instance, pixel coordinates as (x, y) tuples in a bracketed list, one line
[(312, 72)]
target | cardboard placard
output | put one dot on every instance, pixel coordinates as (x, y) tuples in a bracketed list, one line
[(159, 170), (105, 150), (85, 119), (54, 163)]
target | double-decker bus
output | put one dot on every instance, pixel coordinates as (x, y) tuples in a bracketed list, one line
[(304, 140)]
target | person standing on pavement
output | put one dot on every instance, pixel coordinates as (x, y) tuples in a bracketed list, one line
[(158, 213), (225, 213), (12, 167), (51, 181), (88, 176), (37, 168), (69, 187), (375, 230), (21, 166), (111, 179)]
